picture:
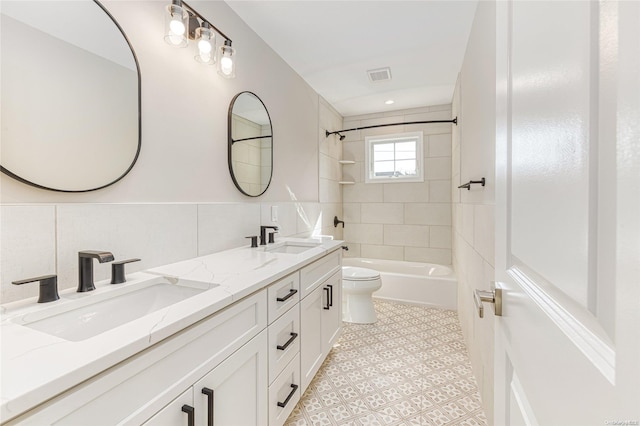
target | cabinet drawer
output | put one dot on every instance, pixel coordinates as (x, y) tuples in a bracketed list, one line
[(312, 275), (282, 295), (284, 393), (284, 341), (135, 389)]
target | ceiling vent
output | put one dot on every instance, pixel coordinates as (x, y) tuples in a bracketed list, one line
[(380, 74)]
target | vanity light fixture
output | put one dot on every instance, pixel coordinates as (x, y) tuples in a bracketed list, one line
[(389, 102), (206, 44), (227, 60), (182, 23), (175, 24)]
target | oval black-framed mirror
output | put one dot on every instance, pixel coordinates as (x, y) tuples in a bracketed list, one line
[(70, 96), (250, 144)]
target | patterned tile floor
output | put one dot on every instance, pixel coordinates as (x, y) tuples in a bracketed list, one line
[(410, 368)]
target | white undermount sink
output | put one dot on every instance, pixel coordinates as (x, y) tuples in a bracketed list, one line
[(292, 247), (93, 314)]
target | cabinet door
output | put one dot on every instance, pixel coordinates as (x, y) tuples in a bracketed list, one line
[(175, 413), (332, 317), (311, 355), (236, 391)]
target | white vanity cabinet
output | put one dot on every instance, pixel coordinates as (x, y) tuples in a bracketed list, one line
[(233, 393), (133, 391), (320, 313), (246, 364)]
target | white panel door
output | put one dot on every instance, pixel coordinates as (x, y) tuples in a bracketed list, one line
[(567, 212)]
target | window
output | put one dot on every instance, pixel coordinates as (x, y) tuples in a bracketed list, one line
[(394, 158)]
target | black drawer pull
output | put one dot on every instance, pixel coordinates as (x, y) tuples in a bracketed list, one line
[(327, 306), (330, 294), (209, 393), (286, 401), (291, 293), (290, 341), (191, 421)]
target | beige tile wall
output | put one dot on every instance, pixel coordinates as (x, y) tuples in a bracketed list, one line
[(330, 191), (400, 221), (473, 210)]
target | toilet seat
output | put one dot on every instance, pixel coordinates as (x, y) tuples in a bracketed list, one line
[(354, 273)]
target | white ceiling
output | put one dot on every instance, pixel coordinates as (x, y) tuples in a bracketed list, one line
[(332, 44)]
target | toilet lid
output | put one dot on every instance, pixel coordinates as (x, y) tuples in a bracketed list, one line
[(354, 273)]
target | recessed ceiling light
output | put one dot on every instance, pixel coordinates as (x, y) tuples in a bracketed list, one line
[(389, 102)]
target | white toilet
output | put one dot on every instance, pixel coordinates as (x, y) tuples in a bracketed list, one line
[(358, 285)]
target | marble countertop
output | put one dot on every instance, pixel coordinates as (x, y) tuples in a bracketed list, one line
[(37, 366)]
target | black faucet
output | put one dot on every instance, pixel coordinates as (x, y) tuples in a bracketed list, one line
[(263, 234), (336, 222), (85, 267)]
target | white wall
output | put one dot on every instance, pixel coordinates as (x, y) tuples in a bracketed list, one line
[(400, 221), (179, 200), (184, 117), (473, 210)]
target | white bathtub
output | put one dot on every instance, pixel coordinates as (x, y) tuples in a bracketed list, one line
[(412, 282)]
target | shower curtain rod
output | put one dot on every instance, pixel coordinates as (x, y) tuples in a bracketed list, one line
[(337, 132)]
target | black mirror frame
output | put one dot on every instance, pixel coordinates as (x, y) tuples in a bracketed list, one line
[(231, 141), (135, 158)]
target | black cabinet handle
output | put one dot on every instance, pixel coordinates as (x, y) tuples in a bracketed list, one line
[(286, 401), (290, 341), (330, 294), (327, 307), (191, 414), (209, 393), (291, 293)]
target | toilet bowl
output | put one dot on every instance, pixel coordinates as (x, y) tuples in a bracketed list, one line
[(358, 285)]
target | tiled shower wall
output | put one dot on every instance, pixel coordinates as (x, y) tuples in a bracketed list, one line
[(400, 221), (473, 210)]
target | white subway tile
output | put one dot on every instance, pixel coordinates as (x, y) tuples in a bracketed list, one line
[(406, 235), (437, 168), (427, 214), (330, 191), (222, 226), (329, 168), (467, 222), (363, 193), (354, 250), (382, 252), (440, 191), (428, 255), (440, 145), (287, 222), (440, 237), (351, 212), (156, 233), (28, 248), (484, 232), (392, 213), (364, 233), (406, 192)]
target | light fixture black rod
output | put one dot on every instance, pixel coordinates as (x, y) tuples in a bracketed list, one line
[(206, 20), (454, 121), (248, 139)]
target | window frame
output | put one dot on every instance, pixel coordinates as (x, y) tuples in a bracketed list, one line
[(371, 141)]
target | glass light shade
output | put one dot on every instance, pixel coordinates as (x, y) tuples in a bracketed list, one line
[(176, 25), (227, 60), (206, 42)]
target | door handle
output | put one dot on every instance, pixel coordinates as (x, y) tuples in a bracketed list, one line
[(494, 296)]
